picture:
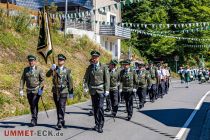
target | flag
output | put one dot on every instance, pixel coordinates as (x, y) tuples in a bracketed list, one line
[(44, 46)]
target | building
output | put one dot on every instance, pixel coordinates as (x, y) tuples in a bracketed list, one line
[(73, 5), (107, 36)]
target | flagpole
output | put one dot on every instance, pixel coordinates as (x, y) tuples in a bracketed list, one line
[(65, 26), (53, 58)]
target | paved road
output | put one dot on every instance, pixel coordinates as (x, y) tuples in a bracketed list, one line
[(161, 120)]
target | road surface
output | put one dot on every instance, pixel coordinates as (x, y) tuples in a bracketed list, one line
[(179, 115)]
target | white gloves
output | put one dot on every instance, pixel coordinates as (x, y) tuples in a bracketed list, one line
[(120, 90), (85, 87), (106, 93), (86, 90), (71, 96), (40, 91), (134, 90), (53, 66), (21, 93)]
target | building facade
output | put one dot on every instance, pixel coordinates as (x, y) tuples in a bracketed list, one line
[(107, 36)]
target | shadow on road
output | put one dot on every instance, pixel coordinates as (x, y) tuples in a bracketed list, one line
[(177, 118), (14, 124)]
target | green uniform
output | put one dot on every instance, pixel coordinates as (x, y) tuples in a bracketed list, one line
[(98, 81), (97, 78), (114, 91), (154, 80), (143, 83), (65, 82), (62, 87), (153, 75), (128, 80), (143, 78), (34, 79), (114, 79)]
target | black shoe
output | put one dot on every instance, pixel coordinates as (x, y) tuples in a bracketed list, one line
[(95, 128), (152, 100), (63, 123), (141, 106), (59, 126), (129, 118), (114, 114), (107, 110), (91, 113), (33, 122), (100, 130)]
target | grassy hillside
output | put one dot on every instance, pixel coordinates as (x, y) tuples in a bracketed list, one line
[(16, 43)]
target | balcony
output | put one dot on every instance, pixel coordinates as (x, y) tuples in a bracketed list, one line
[(115, 31), (36, 4), (84, 3)]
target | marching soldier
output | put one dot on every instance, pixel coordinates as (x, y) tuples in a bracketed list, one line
[(98, 81), (167, 71), (114, 84), (162, 80), (62, 87), (153, 94), (128, 82), (181, 74), (33, 76), (187, 76), (143, 84)]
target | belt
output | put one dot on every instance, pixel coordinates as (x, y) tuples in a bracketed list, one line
[(113, 87), (59, 86), (33, 88), (98, 86)]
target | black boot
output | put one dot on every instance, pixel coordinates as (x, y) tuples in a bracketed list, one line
[(129, 118), (63, 123), (91, 113), (59, 125), (100, 129), (95, 128), (114, 114), (33, 122)]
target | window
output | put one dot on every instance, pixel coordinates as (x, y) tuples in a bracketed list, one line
[(112, 20), (116, 50), (106, 45), (111, 46)]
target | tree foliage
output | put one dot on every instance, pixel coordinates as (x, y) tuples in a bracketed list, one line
[(172, 12)]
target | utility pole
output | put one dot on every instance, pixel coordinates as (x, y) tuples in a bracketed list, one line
[(65, 24)]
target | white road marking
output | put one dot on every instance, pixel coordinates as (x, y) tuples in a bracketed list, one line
[(184, 127)]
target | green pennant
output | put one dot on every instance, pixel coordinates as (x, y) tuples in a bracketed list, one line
[(116, 6)]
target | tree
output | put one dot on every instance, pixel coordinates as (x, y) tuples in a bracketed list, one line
[(173, 12)]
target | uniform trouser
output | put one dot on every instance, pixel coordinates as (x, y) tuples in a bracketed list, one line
[(60, 105), (162, 88), (108, 102), (153, 92), (128, 96), (114, 96), (33, 100), (141, 92), (98, 103), (167, 86)]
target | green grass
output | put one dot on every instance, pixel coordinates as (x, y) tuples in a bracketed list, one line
[(15, 45)]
